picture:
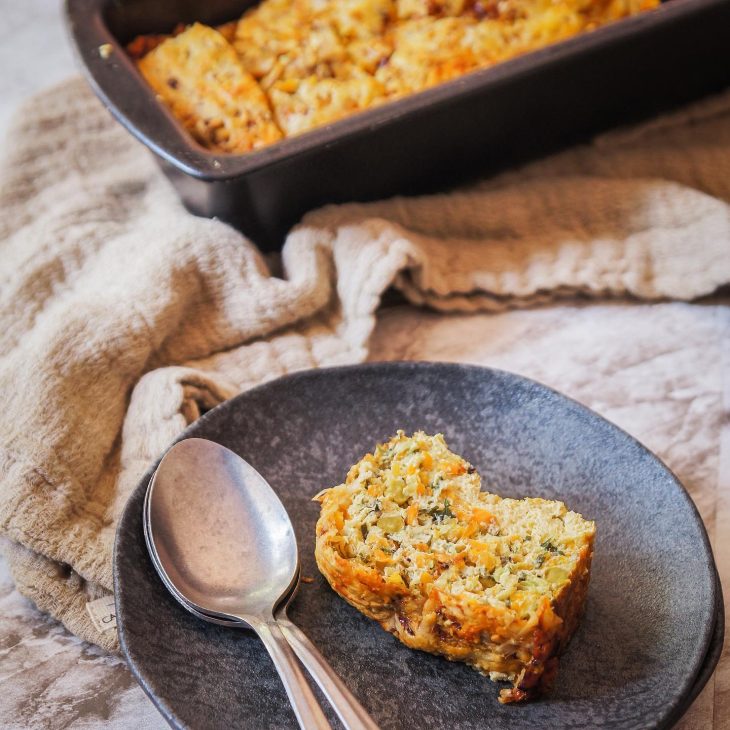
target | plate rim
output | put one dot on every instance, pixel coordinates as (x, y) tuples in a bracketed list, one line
[(688, 690)]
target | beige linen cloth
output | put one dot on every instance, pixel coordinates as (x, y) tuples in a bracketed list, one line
[(123, 317)]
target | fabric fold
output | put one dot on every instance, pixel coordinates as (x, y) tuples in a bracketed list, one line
[(123, 317)]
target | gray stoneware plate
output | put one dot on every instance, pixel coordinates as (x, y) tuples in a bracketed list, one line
[(650, 636)]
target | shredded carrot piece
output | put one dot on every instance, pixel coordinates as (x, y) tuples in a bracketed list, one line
[(411, 514), (470, 529), (481, 515), (382, 557)]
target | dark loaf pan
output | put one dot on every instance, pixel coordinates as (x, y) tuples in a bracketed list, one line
[(475, 125)]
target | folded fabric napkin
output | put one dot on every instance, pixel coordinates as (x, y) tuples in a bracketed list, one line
[(123, 317)]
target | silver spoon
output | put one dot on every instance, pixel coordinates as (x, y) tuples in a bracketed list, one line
[(349, 710), (223, 545)]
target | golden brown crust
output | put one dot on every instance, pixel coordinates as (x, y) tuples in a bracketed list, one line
[(317, 61), (200, 77), (538, 676)]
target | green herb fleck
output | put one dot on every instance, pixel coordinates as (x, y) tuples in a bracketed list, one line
[(386, 455), (550, 547), (441, 513), (377, 508)]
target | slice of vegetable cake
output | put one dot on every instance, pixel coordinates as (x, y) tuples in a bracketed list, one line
[(411, 541), (199, 76)]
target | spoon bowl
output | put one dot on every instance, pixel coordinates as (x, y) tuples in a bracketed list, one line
[(220, 532), (215, 617)]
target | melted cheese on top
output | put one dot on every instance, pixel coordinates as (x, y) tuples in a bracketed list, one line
[(312, 62), (417, 514)]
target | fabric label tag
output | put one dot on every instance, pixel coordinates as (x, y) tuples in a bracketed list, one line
[(102, 613)]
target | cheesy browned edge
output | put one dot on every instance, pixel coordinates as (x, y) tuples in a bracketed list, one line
[(411, 541), (198, 75), (288, 66)]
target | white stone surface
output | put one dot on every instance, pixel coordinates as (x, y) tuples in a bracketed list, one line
[(34, 52), (670, 397)]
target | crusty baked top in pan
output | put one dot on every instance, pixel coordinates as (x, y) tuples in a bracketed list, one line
[(288, 66)]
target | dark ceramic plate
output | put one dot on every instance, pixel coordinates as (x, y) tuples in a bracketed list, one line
[(650, 636)]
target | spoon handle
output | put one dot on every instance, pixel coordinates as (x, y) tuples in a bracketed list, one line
[(305, 705), (352, 714)]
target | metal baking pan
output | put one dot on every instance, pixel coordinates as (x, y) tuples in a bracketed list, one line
[(509, 113)]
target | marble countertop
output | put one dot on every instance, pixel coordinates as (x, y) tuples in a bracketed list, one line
[(660, 371)]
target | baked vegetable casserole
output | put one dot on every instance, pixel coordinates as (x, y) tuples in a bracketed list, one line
[(288, 66), (411, 541)]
